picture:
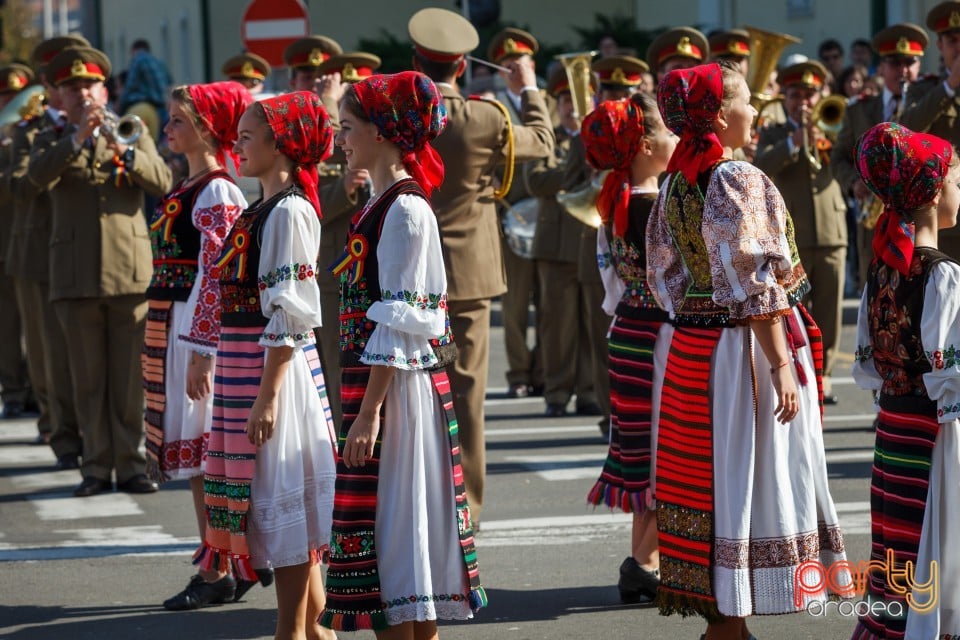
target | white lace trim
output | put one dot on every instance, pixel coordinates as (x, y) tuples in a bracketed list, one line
[(422, 611), (293, 507)]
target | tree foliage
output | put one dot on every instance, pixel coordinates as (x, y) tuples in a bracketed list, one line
[(20, 35)]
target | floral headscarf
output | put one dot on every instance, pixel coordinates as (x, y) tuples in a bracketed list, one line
[(689, 102), (612, 134), (220, 105), (302, 129), (906, 171), (407, 109)]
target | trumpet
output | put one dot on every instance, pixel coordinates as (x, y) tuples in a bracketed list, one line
[(123, 130), (827, 115)]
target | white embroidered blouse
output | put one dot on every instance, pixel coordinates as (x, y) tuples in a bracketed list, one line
[(744, 229), (289, 295), (413, 288)]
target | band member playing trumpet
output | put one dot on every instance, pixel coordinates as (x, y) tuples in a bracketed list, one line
[(900, 48), (931, 105), (796, 156)]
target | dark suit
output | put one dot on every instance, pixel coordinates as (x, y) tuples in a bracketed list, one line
[(471, 146), (818, 208)]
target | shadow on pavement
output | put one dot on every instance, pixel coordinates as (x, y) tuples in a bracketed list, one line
[(538, 606), (136, 621)]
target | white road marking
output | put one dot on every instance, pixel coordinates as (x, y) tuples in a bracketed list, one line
[(18, 431), (563, 466), (100, 506), (47, 480), (24, 454)]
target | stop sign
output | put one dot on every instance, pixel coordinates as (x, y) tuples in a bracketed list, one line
[(268, 26)]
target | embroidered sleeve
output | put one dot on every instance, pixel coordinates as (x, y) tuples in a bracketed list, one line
[(613, 286), (744, 229), (665, 272), (864, 371), (289, 295), (216, 209), (413, 288), (940, 335)]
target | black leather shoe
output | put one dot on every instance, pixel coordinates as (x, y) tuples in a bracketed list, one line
[(200, 593), (518, 391), (536, 390), (555, 410), (830, 399), (12, 410), (92, 486), (68, 461), (589, 409), (264, 577), (637, 585), (138, 484)]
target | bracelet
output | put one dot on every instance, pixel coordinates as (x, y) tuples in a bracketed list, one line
[(204, 355), (779, 366)]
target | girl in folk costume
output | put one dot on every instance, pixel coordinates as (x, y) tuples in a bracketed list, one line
[(908, 334), (628, 137), (271, 460), (183, 322), (741, 477), (402, 553)]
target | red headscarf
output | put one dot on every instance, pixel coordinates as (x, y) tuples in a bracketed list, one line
[(612, 134), (407, 109), (689, 101), (302, 129), (906, 171), (220, 105)]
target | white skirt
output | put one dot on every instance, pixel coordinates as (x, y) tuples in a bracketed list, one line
[(772, 504), (420, 561), (291, 496)]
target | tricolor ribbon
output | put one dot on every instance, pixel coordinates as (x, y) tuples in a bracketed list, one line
[(169, 211), (236, 251), (120, 172), (351, 258)]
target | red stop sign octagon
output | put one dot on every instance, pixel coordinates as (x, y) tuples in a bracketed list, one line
[(268, 26)]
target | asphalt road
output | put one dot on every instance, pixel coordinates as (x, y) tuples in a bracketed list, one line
[(97, 568)]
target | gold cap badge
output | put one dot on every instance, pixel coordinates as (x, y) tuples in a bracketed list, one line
[(903, 46), (955, 20), (684, 48), (247, 69), (349, 73), (78, 68), (15, 80), (316, 57)]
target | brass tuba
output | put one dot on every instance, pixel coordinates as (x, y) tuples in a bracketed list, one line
[(582, 203), (765, 50)]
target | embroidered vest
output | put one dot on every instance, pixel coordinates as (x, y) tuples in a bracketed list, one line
[(685, 204), (629, 256), (359, 275), (895, 305), (239, 264), (176, 242)]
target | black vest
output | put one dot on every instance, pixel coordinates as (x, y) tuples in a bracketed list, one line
[(238, 266), (176, 242), (360, 281)]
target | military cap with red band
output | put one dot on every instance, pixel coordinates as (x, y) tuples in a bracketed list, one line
[(905, 40), (810, 74), (511, 42), (352, 67), (311, 51), (246, 66), (621, 71), (733, 43), (79, 63), (14, 77), (684, 42), (441, 35), (944, 17)]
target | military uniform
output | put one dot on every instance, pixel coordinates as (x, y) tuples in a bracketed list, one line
[(100, 266), (248, 69), (14, 380), (352, 67), (818, 208), (524, 364), (567, 359), (861, 114), (471, 146), (932, 107), (619, 76)]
